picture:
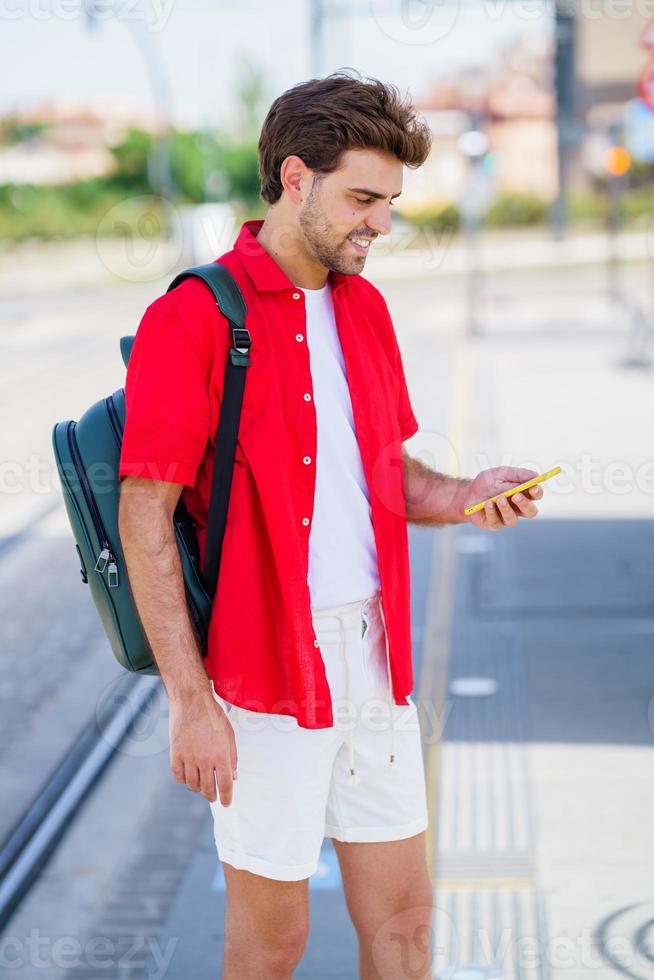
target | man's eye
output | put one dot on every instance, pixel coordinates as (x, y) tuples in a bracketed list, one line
[(369, 200)]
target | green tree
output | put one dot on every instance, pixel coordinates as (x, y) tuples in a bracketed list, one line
[(131, 156)]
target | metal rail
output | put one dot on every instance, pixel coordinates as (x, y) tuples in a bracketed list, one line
[(33, 839)]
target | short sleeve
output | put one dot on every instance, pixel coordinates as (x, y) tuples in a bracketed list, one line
[(167, 410), (408, 422), (406, 418)]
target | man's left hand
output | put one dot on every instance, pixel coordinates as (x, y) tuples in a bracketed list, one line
[(505, 511)]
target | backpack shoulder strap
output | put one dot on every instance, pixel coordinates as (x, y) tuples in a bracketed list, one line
[(231, 304), (222, 284), (226, 292)]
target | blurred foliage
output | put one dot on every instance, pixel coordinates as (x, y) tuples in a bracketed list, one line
[(252, 98), (639, 202), (131, 161), (516, 210), (437, 216), (222, 165), (13, 131), (205, 166), (189, 164), (241, 167), (588, 206), (507, 210), (641, 173), (211, 165), (34, 211)]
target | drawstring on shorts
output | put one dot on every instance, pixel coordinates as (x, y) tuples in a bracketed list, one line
[(354, 778), (391, 699)]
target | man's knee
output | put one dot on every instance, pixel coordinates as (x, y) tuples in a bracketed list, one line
[(405, 911), (267, 924), (262, 953)]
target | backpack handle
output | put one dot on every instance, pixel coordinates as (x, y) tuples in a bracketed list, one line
[(126, 344)]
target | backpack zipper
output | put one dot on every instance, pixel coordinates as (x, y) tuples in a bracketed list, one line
[(107, 558)]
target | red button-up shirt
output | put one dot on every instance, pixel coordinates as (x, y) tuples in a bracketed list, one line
[(263, 653)]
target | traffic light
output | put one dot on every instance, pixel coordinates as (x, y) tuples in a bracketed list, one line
[(617, 160)]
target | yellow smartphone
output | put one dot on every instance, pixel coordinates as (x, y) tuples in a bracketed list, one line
[(509, 493)]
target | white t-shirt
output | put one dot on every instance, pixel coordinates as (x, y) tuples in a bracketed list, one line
[(342, 550)]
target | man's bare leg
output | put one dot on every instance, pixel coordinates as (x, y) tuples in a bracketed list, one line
[(389, 897), (266, 926)]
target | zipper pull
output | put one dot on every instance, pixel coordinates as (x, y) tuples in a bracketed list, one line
[(112, 573), (103, 558)]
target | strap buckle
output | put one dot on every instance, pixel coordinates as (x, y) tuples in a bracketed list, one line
[(239, 352), (241, 339)]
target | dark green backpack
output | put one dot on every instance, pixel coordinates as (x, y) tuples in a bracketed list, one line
[(87, 454)]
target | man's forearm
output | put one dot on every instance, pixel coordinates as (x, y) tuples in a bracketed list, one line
[(157, 584), (432, 498)]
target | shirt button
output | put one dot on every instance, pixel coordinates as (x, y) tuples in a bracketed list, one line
[(315, 643), (306, 460), (299, 337), (305, 521), (296, 295), (307, 397)]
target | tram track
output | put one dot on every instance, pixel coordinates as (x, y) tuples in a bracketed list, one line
[(32, 840)]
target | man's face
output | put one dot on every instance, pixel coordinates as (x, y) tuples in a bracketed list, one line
[(348, 207)]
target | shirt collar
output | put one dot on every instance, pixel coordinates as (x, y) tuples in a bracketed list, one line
[(262, 268)]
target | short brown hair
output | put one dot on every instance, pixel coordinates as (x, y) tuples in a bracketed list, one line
[(320, 119)]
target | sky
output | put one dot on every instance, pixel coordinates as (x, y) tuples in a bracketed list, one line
[(48, 48)]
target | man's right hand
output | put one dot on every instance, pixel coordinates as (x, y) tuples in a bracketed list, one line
[(202, 743)]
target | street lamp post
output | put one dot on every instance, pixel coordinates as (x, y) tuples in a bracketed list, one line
[(566, 129), (473, 144), (160, 170)]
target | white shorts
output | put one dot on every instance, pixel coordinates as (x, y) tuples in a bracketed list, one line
[(296, 786)]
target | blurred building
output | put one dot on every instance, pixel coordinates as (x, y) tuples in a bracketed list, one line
[(512, 100), (613, 52), (69, 141), (610, 57)]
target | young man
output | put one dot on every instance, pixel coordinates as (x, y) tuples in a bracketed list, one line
[(299, 723)]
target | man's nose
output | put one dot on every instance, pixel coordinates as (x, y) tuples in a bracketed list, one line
[(380, 220)]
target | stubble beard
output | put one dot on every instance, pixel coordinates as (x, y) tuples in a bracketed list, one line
[(320, 237)]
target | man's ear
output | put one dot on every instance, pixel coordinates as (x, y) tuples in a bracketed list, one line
[(291, 174)]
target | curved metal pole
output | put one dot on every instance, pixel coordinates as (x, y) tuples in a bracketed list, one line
[(163, 177)]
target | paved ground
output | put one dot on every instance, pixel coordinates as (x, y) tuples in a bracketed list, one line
[(532, 647)]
